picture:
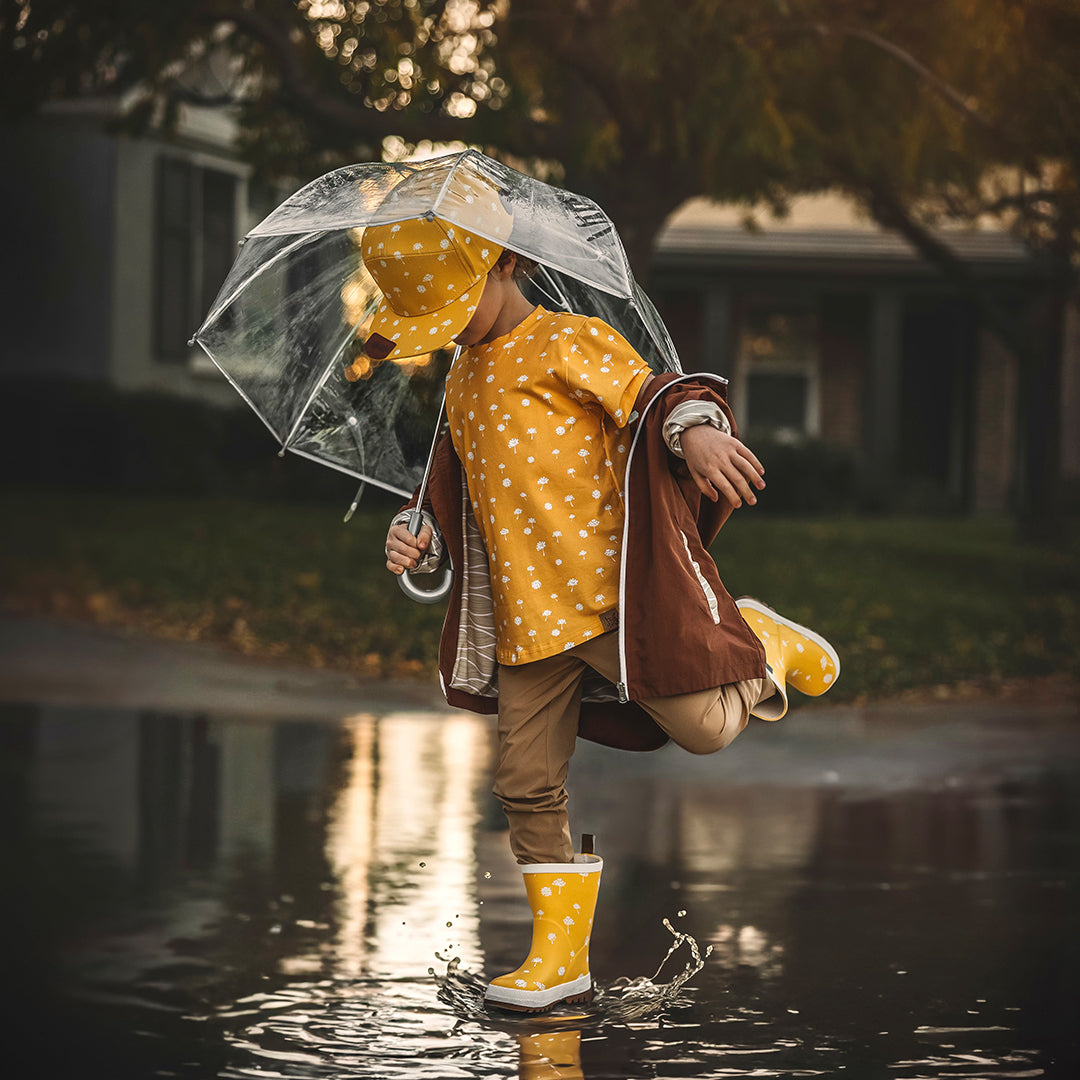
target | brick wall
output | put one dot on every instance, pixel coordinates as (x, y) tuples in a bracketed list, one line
[(845, 355)]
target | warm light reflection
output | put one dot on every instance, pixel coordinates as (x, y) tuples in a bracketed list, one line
[(724, 831), (348, 843), (747, 946), (408, 798), (550, 1055)]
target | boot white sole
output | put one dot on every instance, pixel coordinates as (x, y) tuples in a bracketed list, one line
[(506, 997)]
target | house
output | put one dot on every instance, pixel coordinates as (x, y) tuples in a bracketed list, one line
[(826, 326), (830, 328), (117, 245)]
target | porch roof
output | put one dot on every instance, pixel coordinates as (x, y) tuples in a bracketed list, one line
[(821, 232)]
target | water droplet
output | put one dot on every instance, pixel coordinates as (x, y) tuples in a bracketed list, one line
[(487, 873), (422, 865), (682, 912), (450, 923)]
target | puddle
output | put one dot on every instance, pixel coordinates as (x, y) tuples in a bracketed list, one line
[(194, 896)]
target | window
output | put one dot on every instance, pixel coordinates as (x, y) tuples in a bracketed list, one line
[(777, 378), (196, 243)]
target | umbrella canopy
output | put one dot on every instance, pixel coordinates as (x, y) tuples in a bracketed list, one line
[(288, 326)]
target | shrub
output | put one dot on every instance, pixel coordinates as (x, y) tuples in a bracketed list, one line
[(807, 476), (80, 434)]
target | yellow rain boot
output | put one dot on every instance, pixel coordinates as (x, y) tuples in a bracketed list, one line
[(562, 897), (551, 1055), (796, 656)]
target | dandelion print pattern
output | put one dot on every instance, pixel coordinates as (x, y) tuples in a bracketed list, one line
[(539, 421)]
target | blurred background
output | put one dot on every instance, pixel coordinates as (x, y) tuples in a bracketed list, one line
[(866, 215)]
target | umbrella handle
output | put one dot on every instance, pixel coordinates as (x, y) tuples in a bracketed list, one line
[(405, 582)]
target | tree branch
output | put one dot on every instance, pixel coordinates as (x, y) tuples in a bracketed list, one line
[(889, 212), (358, 119), (945, 91)]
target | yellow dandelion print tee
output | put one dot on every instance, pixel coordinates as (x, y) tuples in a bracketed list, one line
[(538, 419)]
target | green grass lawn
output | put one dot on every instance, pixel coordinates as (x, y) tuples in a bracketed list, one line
[(908, 603)]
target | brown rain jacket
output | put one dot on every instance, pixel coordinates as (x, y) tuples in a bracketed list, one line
[(679, 630)]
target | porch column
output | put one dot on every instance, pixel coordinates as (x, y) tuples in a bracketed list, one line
[(716, 329), (882, 431)]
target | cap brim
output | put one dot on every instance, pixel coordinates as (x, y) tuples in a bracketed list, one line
[(415, 335)]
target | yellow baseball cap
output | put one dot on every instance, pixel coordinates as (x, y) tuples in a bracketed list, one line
[(431, 275), (431, 270)]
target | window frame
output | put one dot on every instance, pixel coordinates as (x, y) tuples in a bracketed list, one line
[(196, 168), (808, 366)]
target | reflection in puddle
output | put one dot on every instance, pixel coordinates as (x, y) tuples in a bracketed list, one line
[(550, 1055), (195, 897), (399, 842)]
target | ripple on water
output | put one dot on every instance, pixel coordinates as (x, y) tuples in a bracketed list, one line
[(398, 1028), (619, 1002)]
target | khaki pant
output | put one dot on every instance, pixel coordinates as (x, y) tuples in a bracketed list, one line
[(538, 721)]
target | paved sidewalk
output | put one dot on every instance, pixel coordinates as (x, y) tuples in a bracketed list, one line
[(59, 663), (53, 662)]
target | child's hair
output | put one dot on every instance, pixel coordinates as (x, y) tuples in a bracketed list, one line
[(524, 268)]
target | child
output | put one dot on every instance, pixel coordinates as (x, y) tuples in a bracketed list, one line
[(576, 493)]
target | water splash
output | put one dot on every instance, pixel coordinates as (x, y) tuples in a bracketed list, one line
[(640, 998), (619, 1002)]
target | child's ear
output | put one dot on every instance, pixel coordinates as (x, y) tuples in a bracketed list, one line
[(505, 264)]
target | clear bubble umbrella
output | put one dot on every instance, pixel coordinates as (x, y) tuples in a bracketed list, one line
[(288, 326)]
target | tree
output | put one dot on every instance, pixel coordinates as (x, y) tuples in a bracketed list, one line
[(927, 112)]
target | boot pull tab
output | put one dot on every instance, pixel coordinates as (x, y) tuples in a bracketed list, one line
[(588, 842)]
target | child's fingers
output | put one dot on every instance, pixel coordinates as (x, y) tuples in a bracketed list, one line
[(402, 549), (729, 480), (401, 533), (397, 549), (715, 485), (703, 485), (398, 563), (724, 486), (751, 470), (747, 455)]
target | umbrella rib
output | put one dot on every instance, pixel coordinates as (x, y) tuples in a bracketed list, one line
[(349, 472), (322, 378), (665, 346), (559, 298), (240, 390), (446, 183), (287, 250)]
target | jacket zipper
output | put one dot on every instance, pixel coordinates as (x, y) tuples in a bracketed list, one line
[(621, 686)]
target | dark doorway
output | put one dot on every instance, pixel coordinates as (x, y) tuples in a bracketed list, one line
[(939, 341)]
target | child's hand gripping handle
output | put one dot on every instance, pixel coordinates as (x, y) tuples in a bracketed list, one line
[(408, 587)]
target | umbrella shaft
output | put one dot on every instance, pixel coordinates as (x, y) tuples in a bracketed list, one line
[(435, 438)]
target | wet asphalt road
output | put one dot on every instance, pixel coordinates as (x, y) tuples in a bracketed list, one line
[(218, 869)]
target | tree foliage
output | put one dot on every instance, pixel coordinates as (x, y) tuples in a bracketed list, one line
[(933, 109), (926, 112)]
